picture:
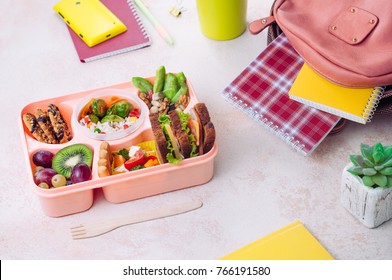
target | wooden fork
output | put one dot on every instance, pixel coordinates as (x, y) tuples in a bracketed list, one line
[(100, 227)]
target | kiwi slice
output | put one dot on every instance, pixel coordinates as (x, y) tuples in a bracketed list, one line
[(66, 158)]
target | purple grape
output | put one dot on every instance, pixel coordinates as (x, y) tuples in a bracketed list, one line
[(45, 176), (80, 173), (43, 158)]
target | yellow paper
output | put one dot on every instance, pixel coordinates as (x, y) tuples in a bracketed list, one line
[(292, 242), (355, 104)]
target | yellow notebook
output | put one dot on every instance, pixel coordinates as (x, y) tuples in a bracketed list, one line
[(356, 104), (292, 242)]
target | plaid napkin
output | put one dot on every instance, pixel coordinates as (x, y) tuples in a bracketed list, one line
[(261, 91)]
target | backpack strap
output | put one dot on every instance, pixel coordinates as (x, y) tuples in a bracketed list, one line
[(256, 26)]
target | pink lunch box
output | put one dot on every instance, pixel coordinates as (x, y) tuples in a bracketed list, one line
[(117, 188)]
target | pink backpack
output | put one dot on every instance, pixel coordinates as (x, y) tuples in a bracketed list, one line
[(346, 42)]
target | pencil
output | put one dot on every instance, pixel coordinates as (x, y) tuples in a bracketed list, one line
[(156, 24)]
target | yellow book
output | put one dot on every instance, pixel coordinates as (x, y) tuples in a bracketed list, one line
[(356, 104), (292, 242)]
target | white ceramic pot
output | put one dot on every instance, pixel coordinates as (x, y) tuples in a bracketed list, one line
[(371, 206)]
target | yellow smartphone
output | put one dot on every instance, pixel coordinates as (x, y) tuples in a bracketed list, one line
[(90, 19)]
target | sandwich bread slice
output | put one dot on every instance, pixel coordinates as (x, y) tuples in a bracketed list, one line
[(180, 135)]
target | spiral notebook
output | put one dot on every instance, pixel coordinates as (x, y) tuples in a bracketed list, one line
[(292, 242), (134, 38), (355, 104), (261, 91)]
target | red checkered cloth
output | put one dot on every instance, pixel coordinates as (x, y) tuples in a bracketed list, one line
[(261, 91)]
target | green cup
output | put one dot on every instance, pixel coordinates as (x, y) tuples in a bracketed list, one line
[(222, 19)]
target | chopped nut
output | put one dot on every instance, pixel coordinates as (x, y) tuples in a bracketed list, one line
[(155, 103), (157, 96), (154, 109), (145, 99)]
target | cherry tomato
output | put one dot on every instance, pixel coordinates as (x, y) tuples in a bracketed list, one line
[(137, 159), (135, 113)]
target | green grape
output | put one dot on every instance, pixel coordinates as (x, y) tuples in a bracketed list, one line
[(58, 180)]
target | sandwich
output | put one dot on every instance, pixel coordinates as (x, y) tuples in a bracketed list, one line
[(206, 138), (181, 135)]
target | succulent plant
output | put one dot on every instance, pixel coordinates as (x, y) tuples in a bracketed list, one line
[(373, 166)]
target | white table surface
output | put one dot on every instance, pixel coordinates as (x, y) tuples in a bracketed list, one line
[(260, 184)]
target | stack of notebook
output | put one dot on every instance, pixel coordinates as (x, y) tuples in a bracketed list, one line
[(134, 38), (261, 91), (355, 104)]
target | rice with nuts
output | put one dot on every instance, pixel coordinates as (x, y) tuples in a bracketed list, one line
[(109, 126)]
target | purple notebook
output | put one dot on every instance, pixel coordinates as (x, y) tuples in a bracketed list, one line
[(134, 38)]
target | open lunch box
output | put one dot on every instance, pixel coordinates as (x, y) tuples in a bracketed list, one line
[(117, 188)]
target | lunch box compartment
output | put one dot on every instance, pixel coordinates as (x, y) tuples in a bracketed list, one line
[(65, 203), (66, 111), (161, 179), (54, 148)]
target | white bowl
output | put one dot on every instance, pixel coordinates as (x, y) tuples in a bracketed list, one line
[(106, 94)]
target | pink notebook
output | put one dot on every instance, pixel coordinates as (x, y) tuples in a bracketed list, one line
[(261, 91), (134, 38)]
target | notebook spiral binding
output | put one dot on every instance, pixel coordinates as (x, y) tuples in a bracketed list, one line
[(241, 105), (137, 17), (372, 103)]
